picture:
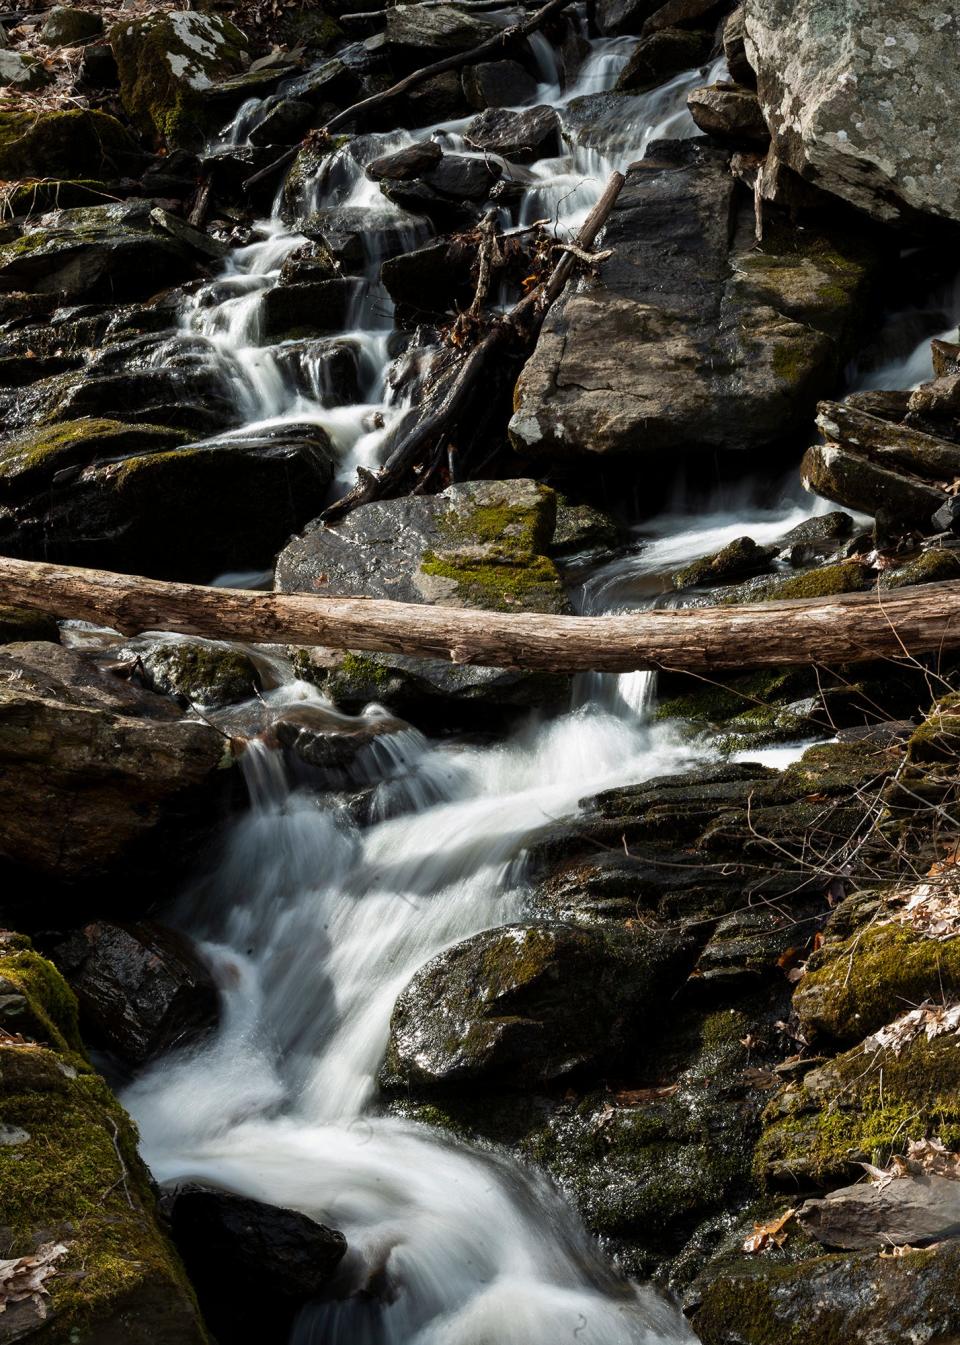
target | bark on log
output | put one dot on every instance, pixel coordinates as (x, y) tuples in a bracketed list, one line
[(518, 327), (493, 48), (844, 629)]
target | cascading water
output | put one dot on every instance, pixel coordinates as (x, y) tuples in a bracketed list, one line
[(313, 925)]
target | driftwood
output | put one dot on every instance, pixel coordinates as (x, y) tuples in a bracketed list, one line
[(517, 329), (845, 629), (492, 49)]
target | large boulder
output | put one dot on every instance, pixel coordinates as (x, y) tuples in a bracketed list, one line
[(97, 777), (415, 36), (76, 1194), (825, 75), (167, 62), (528, 1004), (137, 498), (476, 544), (141, 988), (687, 342), (114, 252), (228, 1240)]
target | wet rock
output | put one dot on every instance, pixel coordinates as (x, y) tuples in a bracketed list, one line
[(433, 692), (194, 400), (414, 36), (106, 252), (737, 560), (523, 136), (729, 112), (621, 367), (582, 530), (947, 517), (285, 123), (297, 312), (356, 235), (199, 672), (332, 744), (432, 279), (97, 777), (167, 62), (734, 48), (497, 84), (661, 56), (683, 12), (327, 370), (60, 500), (406, 164), (901, 1301), (476, 544), (858, 483), (141, 988), (837, 68), (73, 1176), (449, 192), (891, 445), (307, 265), (509, 1005), (175, 174), (66, 27), (946, 358), (227, 1240), (23, 74), (438, 99), (74, 143), (832, 527)]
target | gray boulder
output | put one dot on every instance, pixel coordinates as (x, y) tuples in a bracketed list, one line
[(521, 136), (415, 35), (476, 544), (859, 98), (687, 341), (729, 112)]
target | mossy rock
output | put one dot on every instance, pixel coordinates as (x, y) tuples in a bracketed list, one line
[(69, 144), (937, 739), (835, 1300), (166, 62), (70, 1173), (26, 623), (201, 673), (38, 455), (826, 581), (737, 560), (750, 711), (930, 567), (858, 986), (582, 529), (39, 197), (860, 1107), (65, 26)]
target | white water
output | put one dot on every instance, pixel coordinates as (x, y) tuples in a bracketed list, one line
[(313, 925)]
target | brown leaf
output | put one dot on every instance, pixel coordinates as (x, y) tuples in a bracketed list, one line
[(774, 1233)]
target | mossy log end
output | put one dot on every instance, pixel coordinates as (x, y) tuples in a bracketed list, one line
[(841, 629)]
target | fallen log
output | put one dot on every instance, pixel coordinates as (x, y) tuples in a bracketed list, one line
[(493, 48), (518, 329), (849, 628)]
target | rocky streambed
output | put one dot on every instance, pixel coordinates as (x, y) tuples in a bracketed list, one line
[(359, 999)]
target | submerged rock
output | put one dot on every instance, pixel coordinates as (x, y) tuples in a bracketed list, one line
[(527, 1004), (142, 989), (71, 1176), (685, 343), (228, 1240), (824, 78)]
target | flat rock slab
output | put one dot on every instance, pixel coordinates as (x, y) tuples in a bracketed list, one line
[(905, 1212), (685, 341)]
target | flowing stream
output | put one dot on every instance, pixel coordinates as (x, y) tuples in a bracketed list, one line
[(313, 925)]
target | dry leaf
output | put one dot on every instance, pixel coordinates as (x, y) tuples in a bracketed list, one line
[(930, 1020), (634, 1097), (771, 1234), (24, 1276)]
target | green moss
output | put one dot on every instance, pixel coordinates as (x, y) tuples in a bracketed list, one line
[(203, 673), (929, 567), (50, 1011), (499, 586), (737, 560), (861, 1107), (937, 739), (823, 582), (36, 197), (872, 978)]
